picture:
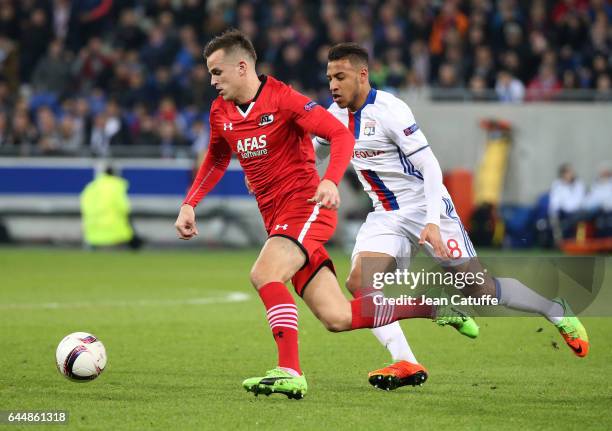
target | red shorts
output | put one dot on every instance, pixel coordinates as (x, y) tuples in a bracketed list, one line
[(309, 227)]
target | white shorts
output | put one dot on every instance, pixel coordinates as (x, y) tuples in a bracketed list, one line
[(397, 234)]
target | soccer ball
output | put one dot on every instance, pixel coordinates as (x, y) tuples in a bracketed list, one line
[(80, 357)]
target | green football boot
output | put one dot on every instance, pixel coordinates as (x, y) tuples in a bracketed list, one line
[(278, 381), (572, 330), (449, 315)]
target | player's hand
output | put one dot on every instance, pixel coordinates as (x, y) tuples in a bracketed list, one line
[(327, 195), (185, 223), (431, 234), (248, 186)]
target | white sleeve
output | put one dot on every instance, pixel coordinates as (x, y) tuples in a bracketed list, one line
[(321, 148), (401, 127), (426, 162)]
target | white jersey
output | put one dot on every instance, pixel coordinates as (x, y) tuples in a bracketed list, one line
[(386, 136)]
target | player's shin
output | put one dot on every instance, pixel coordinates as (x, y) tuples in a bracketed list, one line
[(373, 310), (393, 339), (283, 319), (514, 294)]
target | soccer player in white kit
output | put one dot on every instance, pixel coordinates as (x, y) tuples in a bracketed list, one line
[(412, 208)]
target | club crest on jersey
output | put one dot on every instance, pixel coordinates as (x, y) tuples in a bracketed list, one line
[(310, 105), (266, 119), (369, 128)]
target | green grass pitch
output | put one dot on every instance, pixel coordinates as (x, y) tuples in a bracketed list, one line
[(183, 329)]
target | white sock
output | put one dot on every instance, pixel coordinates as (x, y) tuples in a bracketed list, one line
[(392, 337), (514, 294)]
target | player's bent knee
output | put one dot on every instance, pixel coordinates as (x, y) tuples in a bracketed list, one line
[(337, 322), (259, 278), (335, 326)]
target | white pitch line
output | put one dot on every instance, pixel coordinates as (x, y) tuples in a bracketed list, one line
[(230, 297)]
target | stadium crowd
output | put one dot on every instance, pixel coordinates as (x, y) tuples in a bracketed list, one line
[(85, 76)]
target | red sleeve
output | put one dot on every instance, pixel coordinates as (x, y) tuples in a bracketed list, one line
[(318, 121), (213, 167), (102, 9)]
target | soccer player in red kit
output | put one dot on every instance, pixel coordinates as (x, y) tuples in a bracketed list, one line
[(268, 125)]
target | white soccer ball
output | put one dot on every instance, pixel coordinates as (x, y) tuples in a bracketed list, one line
[(80, 357)]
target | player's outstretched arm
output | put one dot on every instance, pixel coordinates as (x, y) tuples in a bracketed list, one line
[(212, 169)]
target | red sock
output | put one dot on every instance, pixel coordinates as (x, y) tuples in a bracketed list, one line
[(283, 319), (367, 314)]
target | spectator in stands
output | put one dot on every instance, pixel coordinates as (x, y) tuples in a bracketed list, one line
[(192, 13), (598, 202), (6, 99), (99, 140), (604, 88), (478, 88), (68, 137), (9, 24), (447, 77), (159, 50), (35, 34), (509, 89), (128, 35), (49, 141), (53, 72), (188, 56), (116, 124), (93, 65), (170, 141), (88, 19), (147, 133), (569, 80), (4, 131), (567, 195), (164, 86), (61, 18), (545, 86), (23, 134), (198, 135), (419, 59), (484, 65), (105, 212), (82, 120), (136, 92), (449, 19)]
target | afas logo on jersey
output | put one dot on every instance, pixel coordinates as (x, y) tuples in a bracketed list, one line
[(266, 119), (252, 147)]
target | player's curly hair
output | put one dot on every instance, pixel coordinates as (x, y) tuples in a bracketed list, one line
[(230, 40), (355, 53)]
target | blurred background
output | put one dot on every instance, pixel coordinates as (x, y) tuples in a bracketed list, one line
[(104, 113)]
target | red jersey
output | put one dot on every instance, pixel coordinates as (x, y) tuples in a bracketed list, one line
[(271, 139)]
